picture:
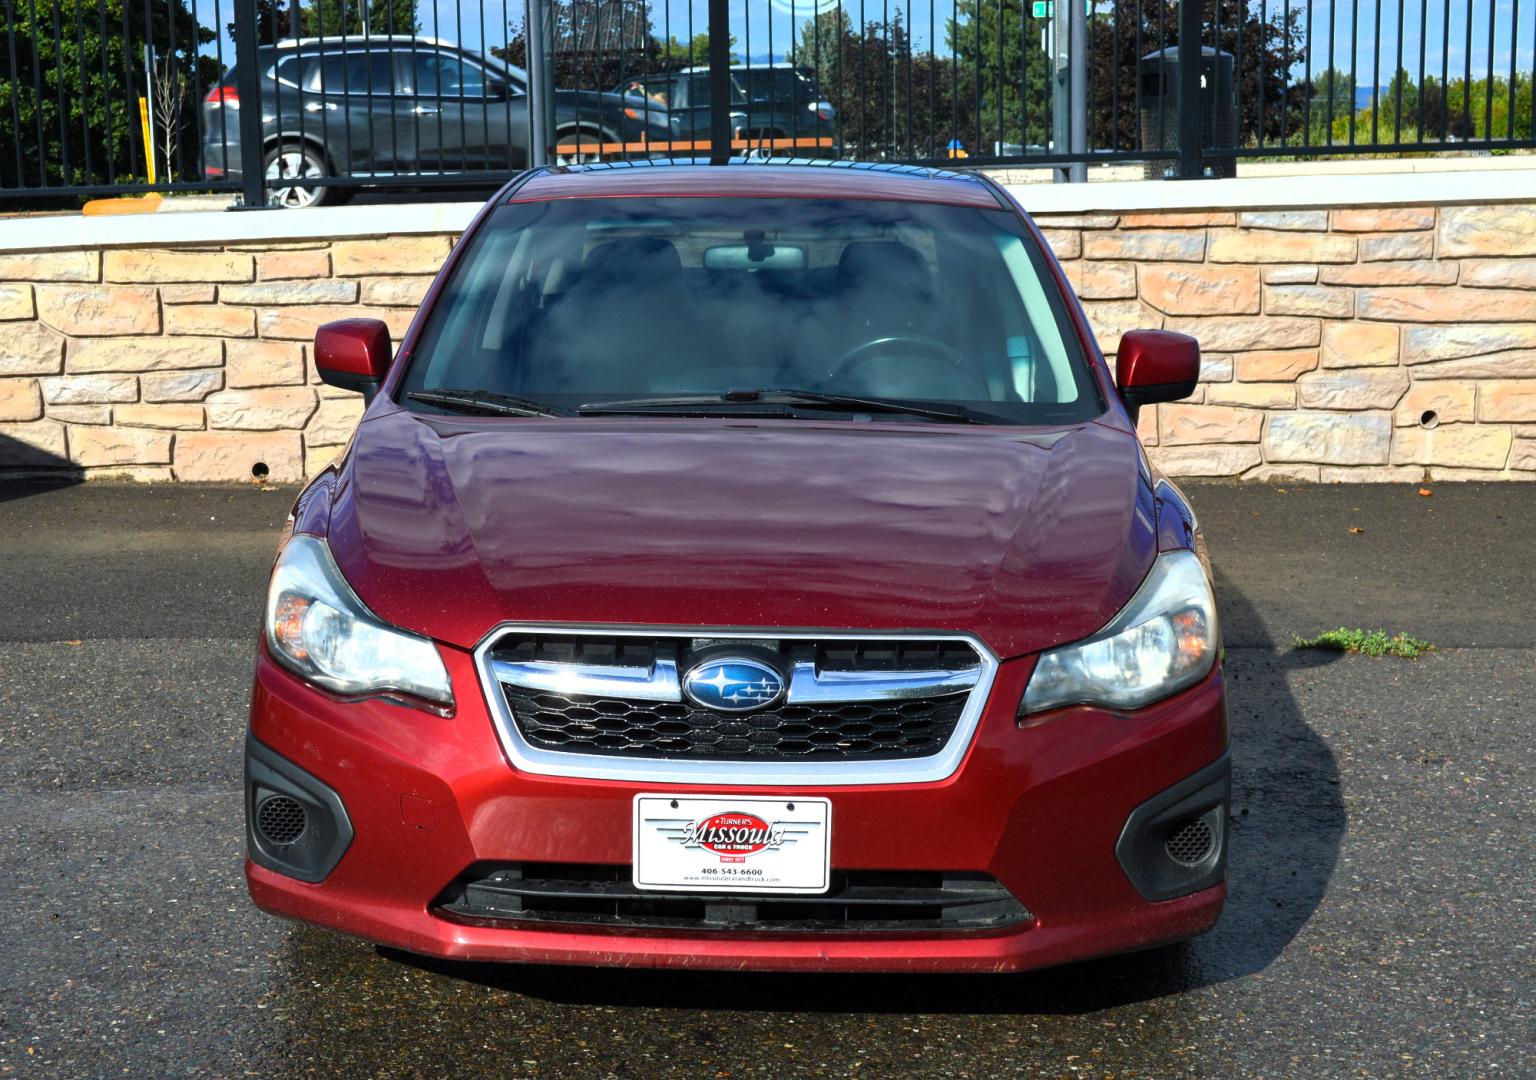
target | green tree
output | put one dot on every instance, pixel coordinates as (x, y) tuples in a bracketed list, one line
[(274, 18), (1432, 117), (1331, 106), (273, 22), (822, 38), (891, 101), (674, 55), (69, 112), (1488, 111), (1429, 112), (598, 44), (1002, 91), (332, 17), (1401, 100)]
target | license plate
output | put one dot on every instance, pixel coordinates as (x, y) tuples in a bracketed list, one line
[(737, 844)]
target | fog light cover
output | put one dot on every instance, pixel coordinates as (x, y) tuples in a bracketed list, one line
[(294, 823)]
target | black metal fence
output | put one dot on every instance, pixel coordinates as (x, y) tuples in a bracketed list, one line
[(298, 101)]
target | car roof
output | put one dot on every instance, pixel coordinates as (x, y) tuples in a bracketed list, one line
[(782, 178), (393, 43), (362, 41), (777, 65)]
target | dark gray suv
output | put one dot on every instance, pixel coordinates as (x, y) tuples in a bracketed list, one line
[(395, 108), (774, 107)]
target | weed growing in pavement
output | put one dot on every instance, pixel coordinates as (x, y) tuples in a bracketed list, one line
[(1368, 642)]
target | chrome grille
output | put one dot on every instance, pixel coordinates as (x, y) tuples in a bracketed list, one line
[(856, 708), (835, 731)]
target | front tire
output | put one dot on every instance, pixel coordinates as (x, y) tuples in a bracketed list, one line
[(760, 143), (568, 146), (286, 168)]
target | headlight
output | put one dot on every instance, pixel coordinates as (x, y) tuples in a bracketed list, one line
[(1162, 641), (317, 627)]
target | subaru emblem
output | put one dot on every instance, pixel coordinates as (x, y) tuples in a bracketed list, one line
[(733, 684)]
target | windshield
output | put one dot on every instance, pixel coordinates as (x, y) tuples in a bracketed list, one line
[(778, 85), (579, 301)]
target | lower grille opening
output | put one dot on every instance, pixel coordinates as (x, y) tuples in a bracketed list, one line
[(859, 900)]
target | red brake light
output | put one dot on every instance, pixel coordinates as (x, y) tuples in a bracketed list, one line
[(223, 95)]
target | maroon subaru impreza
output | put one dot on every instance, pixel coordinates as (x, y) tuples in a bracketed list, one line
[(747, 566)]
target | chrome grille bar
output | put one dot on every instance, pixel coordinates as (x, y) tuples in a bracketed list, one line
[(807, 686), (658, 682)]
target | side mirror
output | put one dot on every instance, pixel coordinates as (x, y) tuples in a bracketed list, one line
[(353, 354), (1156, 365), (496, 90)]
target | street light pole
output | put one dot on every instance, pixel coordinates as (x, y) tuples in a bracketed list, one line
[(540, 93), (1077, 22)]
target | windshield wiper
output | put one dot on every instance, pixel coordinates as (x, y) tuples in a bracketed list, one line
[(759, 399), (933, 411), (484, 402)]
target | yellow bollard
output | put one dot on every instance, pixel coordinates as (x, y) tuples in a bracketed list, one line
[(149, 147)]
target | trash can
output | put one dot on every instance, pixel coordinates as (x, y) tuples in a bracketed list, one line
[(1158, 76)]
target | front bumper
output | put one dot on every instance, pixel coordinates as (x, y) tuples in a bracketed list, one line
[(1048, 809)]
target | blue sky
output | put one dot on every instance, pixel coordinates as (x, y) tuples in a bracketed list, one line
[(1429, 28), (762, 28)]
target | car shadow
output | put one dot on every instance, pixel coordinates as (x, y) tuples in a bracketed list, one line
[(1288, 820), (27, 470)]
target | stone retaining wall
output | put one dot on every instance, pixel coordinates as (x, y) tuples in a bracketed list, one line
[(1347, 344), (191, 364), (1353, 344)]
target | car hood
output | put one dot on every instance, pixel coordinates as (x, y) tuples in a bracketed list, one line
[(1025, 537)]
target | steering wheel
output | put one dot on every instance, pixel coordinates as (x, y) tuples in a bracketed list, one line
[(918, 345)]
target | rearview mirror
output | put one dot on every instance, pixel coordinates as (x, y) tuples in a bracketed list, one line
[(353, 354), (1156, 365)]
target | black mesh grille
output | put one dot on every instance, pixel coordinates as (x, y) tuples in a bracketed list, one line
[(894, 655), (281, 819), (1191, 843), (565, 649), (859, 731), (859, 900)]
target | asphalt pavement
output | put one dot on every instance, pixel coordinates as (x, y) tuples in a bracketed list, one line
[(1383, 882)]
